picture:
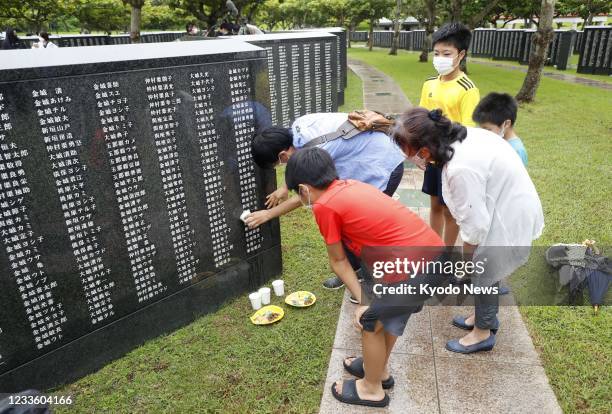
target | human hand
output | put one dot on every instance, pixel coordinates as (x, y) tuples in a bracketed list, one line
[(277, 197), (257, 218), (358, 313)]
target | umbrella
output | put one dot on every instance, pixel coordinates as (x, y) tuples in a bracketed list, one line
[(598, 283)]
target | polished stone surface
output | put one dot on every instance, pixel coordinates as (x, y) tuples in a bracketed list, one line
[(124, 171)]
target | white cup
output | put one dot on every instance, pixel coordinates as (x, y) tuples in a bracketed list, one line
[(279, 287), (264, 292), (255, 299)]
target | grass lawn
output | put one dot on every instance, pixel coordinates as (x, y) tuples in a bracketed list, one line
[(223, 363), (568, 135)]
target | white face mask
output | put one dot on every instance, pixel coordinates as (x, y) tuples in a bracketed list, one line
[(419, 161), (309, 205), (502, 132), (41, 40), (443, 65)]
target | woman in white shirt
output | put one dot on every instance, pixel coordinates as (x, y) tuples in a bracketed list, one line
[(489, 193), (43, 42)]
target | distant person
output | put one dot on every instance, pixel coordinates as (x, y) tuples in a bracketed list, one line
[(43, 42), (370, 157), (497, 113), (249, 29), (192, 29), (11, 40), (457, 96), (226, 29)]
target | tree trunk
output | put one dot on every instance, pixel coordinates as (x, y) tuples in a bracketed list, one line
[(135, 24), (589, 20), (371, 35), (430, 6), (351, 30), (475, 20), (396, 28), (541, 41), (456, 8)]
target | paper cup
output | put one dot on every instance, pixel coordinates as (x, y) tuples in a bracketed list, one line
[(255, 299), (264, 292), (279, 287)]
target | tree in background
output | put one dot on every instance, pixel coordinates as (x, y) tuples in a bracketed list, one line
[(425, 12), (158, 15), (587, 9), (210, 13), (374, 10), (541, 39), (104, 15), (135, 18), (34, 14), (396, 27), (270, 15)]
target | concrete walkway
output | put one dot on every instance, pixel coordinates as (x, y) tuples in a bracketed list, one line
[(380, 92), (430, 379)]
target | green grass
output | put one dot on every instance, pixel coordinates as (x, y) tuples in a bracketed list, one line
[(223, 363), (571, 69), (567, 132)]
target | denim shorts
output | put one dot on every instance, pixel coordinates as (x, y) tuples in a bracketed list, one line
[(393, 319), (432, 182)]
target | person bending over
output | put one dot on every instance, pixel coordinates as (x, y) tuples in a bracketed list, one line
[(370, 156), (358, 215)]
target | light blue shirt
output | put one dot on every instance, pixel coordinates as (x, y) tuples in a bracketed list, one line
[(518, 146), (369, 157)]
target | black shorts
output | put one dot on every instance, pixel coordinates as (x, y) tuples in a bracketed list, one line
[(432, 182)]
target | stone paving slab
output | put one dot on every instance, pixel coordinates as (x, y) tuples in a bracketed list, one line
[(380, 92), (430, 379)]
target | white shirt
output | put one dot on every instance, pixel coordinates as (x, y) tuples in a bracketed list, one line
[(49, 45), (490, 194)]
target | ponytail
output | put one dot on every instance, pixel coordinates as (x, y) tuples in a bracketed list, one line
[(419, 128)]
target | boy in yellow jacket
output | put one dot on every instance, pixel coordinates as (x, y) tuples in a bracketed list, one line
[(457, 96)]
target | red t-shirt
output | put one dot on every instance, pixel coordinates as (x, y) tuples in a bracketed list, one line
[(361, 215)]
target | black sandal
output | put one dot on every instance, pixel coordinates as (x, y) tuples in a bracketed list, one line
[(349, 395), (356, 369)]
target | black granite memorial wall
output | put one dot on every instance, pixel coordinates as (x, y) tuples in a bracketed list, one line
[(100, 40), (578, 42), (482, 42), (123, 171), (302, 73), (596, 54), (359, 36), (341, 50)]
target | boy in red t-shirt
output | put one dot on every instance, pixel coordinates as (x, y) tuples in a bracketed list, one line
[(361, 216)]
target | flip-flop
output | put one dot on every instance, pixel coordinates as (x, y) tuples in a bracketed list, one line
[(349, 395), (356, 369)]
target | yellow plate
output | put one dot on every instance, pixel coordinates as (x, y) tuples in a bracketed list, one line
[(301, 299), (267, 315)]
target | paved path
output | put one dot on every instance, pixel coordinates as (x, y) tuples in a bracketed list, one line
[(380, 92), (430, 379)]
